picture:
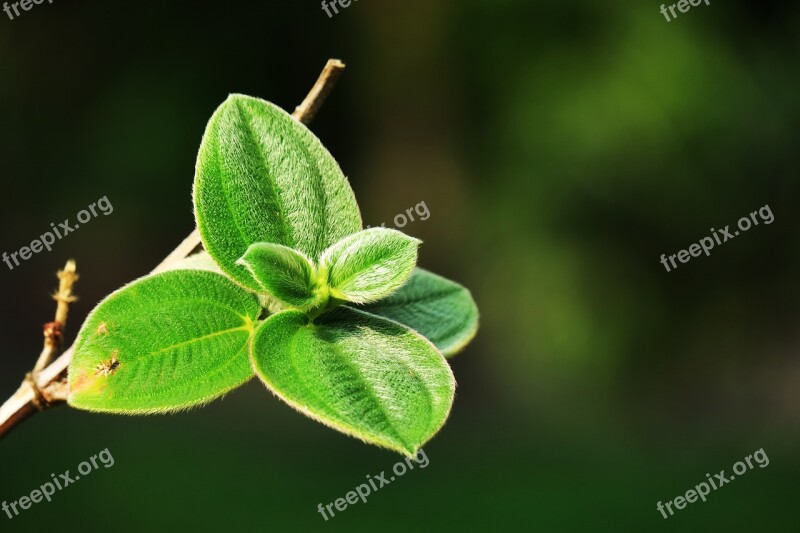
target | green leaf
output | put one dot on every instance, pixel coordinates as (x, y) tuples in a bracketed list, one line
[(369, 265), (164, 343), (439, 309), (199, 261), (284, 273), (264, 177), (362, 375)]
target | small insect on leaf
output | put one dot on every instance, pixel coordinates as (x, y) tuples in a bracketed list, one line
[(108, 367)]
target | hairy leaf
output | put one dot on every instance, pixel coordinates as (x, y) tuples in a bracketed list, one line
[(164, 343), (439, 309), (369, 265), (199, 261), (264, 177), (360, 374), (284, 273)]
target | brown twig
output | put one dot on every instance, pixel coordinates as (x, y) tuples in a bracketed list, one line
[(33, 396), (53, 331), (45, 386), (306, 111)]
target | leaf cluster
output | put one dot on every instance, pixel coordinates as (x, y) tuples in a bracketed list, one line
[(335, 320)]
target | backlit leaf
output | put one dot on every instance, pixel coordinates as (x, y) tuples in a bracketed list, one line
[(360, 374), (369, 265), (284, 273), (164, 343), (199, 261), (262, 176)]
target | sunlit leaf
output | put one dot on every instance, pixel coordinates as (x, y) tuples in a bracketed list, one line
[(283, 273), (360, 374), (164, 343), (369, 265), (262, 176)]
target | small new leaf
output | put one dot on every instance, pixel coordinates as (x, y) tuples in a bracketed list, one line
[(369, 265), (358, 373), (163, 343), (439, 309), (285, 274)]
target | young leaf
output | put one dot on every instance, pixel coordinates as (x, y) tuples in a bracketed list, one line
[(360, 374), (163, 343), (369, 265), (439, 309), (264, 177), (283, 273)]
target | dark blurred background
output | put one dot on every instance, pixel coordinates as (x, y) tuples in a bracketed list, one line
[(561, 148)]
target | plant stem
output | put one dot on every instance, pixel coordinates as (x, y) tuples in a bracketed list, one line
[(46, 386), (41, 389), (53, 331), (306, 111)]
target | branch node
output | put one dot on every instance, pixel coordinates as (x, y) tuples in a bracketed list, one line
[(53, 331), (39, 401)]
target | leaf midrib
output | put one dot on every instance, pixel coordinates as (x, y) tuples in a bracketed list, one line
[(199, 339), (288, 236), (223, 181), (322, 198), (368, 387), (196, 377)]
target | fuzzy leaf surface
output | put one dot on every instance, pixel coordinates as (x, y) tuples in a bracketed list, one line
[(199, 261), (164, 343), (262, 176), (369, 265), (358, 373), (439, 309), (283, 273)]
